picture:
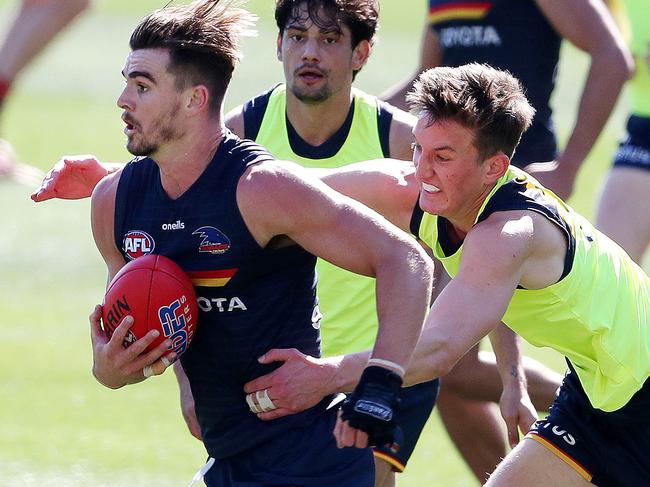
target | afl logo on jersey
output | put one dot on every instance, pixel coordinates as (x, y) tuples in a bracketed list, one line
[(214, 241), (137, 243)]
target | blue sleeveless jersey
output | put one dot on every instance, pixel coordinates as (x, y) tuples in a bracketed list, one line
[(251, 299), (512, 35)]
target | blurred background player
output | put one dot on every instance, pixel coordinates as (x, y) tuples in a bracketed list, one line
[(624, 209), (35, 25), (523, 37)]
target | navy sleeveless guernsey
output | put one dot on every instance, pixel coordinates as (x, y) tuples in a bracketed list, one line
[(251, 299), (512, 35)]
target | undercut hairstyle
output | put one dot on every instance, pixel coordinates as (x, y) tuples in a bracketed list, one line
[(360, 16), (202, 38), (488, 101)]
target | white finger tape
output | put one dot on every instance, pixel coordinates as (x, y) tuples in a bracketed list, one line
[(147, 371), (264, 400), (251, 404)]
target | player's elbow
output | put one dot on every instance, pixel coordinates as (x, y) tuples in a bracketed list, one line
[(618, 60), (420, 263), (432, 359)]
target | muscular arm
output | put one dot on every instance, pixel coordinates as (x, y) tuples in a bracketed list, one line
[(494, 258), (588, 25), (388, 186), (350, 236)]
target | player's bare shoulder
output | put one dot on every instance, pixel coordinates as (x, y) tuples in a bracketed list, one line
[(401, 134), (272, 194), (234, 120), (106, 189), (526, 240)]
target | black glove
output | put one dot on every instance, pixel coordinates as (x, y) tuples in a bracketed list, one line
[(373, 405)]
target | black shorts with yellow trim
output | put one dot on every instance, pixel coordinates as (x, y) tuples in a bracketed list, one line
[(607, 449), (634, 151), (415, 408)]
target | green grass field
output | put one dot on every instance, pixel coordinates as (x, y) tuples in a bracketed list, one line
[(58, 426)]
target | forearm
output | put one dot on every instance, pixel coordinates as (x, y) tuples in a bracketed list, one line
[(606, 77), (506, 345), (403, 291)]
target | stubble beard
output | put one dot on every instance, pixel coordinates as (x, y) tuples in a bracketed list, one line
[(311, 97), (164, 131)]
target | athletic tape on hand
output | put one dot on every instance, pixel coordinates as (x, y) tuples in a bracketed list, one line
[(251, 404), (265, 401), (157, 368)]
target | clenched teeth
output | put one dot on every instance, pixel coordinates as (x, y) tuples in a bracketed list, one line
[(430, 188)]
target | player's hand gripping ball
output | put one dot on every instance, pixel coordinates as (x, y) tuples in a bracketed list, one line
[(159, 295)]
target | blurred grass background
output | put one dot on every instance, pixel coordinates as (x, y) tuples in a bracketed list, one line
[(58, 426)]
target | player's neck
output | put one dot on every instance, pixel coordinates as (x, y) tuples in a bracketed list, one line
[(182, 163), (463, 221), (315, 123)]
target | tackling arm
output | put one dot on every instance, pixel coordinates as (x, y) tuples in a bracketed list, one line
[(388, 186), (350, 236), (73, 177), (353, 237)]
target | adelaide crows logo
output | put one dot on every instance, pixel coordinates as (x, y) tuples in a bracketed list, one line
[(214, 241)]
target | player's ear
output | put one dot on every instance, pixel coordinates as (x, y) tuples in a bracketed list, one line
[(495, 167), (198, 98), (360, 54)]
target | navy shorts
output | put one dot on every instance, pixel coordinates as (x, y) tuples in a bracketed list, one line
[(415, 407), (304, 457), (634, 151), (607, 449)]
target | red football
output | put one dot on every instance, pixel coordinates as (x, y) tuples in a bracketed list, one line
[(159, 295)]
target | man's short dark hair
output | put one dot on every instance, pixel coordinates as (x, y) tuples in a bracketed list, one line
[(486, 100), (360, 16), (202, 39)]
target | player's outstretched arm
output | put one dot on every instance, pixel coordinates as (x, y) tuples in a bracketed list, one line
[(353, 237), (472, 304), (113, 365), (73, 177), (349, 235), (388, 186)]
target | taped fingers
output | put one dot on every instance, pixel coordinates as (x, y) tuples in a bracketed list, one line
[(260, 402), (156, 368), (264, 400), (251, 404)]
